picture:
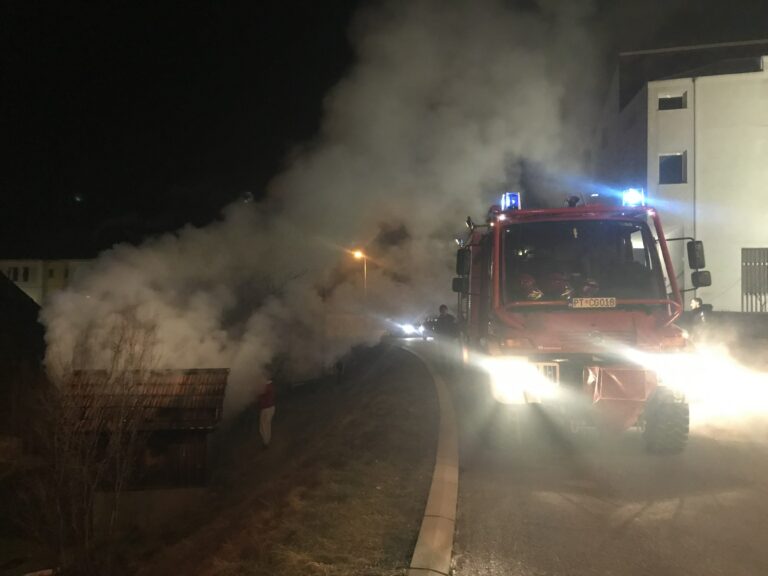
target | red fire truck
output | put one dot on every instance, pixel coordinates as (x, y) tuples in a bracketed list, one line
[(554, 303)]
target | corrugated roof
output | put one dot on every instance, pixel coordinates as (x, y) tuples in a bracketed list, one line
[(155, 400)]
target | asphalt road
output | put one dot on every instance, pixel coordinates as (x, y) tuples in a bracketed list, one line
[(585, 504)]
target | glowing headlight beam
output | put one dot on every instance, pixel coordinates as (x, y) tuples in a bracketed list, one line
[(409, 329), (517, 381), (718, 388)]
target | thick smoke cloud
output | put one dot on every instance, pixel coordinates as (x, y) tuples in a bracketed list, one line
[(446, 105)]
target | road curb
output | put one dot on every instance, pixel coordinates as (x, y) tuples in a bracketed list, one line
[(434, 547)]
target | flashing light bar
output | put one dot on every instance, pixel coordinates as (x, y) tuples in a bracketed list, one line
[(633, 197), (510, 201)]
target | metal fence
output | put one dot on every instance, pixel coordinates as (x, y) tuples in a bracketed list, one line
[(754, 279)]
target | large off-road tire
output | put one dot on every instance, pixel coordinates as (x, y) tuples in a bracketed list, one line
[(666, 427)]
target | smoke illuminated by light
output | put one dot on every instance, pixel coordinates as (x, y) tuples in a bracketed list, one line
[(726, 397), (719, 389), (436, 116)]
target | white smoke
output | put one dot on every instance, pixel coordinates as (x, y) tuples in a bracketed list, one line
[(444, 102)]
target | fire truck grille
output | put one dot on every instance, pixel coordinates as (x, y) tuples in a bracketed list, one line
[(550, 371)]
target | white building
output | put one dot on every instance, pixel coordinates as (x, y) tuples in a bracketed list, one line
[(698, 142), (39, 278)]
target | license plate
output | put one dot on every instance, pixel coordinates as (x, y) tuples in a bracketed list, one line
[(593, 303)]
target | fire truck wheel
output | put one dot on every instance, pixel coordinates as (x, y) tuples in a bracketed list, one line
[(666, 427)]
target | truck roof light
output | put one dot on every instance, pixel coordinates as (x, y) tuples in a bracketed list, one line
[(510, 201), (633, 197)]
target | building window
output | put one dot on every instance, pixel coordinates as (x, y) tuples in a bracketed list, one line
[(13, 273), (672, 168), (66, 273), (754, 279), (673, 102), (25, 274), (50, 272)]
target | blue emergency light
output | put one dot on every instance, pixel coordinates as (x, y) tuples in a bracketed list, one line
[(633, 197), (510, 201)]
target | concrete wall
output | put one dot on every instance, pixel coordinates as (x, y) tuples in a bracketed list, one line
[(671, 132), (732, 177), (39, 278), (723, 132), (27, 275)]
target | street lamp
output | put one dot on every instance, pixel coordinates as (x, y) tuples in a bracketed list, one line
[(360, 255)]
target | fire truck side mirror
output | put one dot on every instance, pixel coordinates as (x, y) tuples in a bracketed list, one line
[(701, 279), (461, 285), (696, 254), (463, 259)]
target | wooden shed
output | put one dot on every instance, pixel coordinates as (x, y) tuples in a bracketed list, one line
[(172, 411)]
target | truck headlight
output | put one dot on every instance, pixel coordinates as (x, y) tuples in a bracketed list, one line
[(517, 381)]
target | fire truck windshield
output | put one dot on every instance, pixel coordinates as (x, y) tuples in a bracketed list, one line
[(558, 260)]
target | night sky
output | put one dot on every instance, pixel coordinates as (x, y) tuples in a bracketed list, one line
[(125, 119)]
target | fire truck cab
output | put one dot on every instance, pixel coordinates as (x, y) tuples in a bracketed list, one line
[(555, 301)]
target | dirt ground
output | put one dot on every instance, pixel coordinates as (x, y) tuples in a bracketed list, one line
[(340, 491)]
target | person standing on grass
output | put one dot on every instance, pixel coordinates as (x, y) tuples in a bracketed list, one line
[(266, 404)]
